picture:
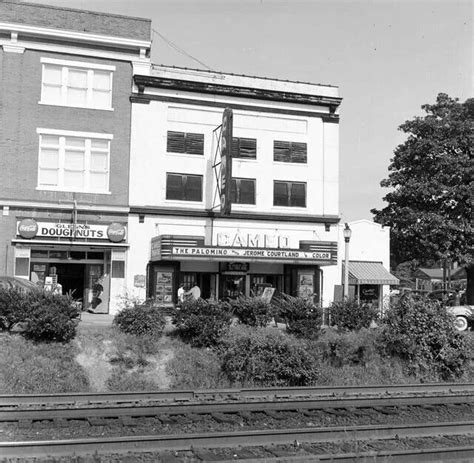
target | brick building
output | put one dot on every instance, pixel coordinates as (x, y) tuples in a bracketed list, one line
[(65, 83)]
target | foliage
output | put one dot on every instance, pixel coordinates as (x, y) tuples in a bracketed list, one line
[(267, 357), (202, 322), (31, 368), (429, 207), (347, 348), (194, 368), (422, 332), (47, 316), (123, 380), (141, 320), (252, 311), (301, 316), (351, 315)]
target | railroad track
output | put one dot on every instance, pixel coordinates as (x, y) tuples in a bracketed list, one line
[(230, 394), (202, 443)]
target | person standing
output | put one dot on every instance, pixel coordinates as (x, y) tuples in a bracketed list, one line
[(195, 292), (181, 293)]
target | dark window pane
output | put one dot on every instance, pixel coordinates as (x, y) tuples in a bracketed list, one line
[(194, 143), (38, 253), (95, 255), (233, 191), (78, 255), (193, 189), (298, 152), (247, 192), (244, 148), (174, 187), (118, 269), (281, 151), (280, 194), (298, 195), (175, 142), (21, 266)]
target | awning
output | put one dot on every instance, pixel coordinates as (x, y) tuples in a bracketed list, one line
[(370, 273)]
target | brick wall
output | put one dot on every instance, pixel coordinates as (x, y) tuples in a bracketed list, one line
[(21, 115), (75, 20)]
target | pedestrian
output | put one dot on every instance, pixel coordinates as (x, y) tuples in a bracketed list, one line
[(195, 292), (181, 293)]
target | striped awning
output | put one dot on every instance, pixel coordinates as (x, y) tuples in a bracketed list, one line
[(370, 273)]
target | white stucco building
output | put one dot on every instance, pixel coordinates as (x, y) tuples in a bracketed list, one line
[(283, 227)]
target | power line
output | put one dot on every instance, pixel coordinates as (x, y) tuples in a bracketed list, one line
[(179, 49)]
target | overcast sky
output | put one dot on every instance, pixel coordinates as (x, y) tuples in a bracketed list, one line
[(387, 58)]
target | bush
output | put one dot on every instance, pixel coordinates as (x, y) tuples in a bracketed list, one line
[(267, 357), (347, 348), (47, 316), (141, 320), (301, 316), (351, 315), (201, 322), (422, 333), (253, 311)]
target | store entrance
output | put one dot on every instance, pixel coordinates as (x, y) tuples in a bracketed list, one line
[(72, 279)]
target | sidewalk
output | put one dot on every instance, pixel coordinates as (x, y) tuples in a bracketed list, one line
[(96, 319)]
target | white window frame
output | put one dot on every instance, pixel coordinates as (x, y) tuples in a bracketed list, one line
[(87, 137), (65, 66)]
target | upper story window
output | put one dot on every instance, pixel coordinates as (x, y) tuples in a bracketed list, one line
[(76, 84), (243, 191), (184, 187), (245, 148), (73, 161), (289, 151), (181, 142), (289, 194)]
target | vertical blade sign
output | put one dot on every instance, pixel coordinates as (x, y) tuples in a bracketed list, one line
[(226, 161)]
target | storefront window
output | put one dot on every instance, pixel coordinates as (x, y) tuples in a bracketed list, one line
[(232, 286)]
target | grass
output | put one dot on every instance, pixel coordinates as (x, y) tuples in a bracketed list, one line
[(28, 367)]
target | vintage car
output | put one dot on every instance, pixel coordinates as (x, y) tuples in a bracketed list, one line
[(464, 316)]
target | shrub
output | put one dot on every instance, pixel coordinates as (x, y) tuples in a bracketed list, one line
[(47, 316), (301, 316), (201, 322), (351, 315), (141, 320), (347, 348), (267, 357), (422, 333), (253, 311)]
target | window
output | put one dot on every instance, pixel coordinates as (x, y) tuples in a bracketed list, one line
[(73, 161), (184, 187), (289, 151), (243, 191), (77, 84), (290, 194), (245, 148), (189, 143)]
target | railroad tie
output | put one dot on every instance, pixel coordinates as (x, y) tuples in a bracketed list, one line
[(207, 455), (225, 417), (275, 415), (128, 421), (25, 424), (166, 419), (386, 410)]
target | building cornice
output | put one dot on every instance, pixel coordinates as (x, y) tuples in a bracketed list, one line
[(142, 82), (63, 206), (151, 210)]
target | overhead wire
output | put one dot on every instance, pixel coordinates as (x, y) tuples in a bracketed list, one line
[(179, 49)]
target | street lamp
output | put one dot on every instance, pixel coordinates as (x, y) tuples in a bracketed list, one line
[(347, 232)]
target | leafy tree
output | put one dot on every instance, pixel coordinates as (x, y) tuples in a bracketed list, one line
[(429, 206)]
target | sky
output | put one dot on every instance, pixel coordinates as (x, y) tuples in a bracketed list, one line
[(387, 58)]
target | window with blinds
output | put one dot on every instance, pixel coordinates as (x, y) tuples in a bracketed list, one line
[(289, 151), (187, 143), (245, 148), (243, 191), (184, 187), (289, 194)]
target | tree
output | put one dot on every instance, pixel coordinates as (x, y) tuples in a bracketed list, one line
[(429, 206)]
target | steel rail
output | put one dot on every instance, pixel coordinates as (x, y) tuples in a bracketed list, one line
[(53, 448), (232, 394), (120, 410)]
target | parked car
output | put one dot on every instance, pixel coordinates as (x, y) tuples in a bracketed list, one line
[(18, 283), (464, 316)]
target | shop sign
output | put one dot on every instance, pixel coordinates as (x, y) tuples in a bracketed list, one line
[(253, 240), (226, 160), (29, 228), (139, 281), (210, 251), (235, 267)]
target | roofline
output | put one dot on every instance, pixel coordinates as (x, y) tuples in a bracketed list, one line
[(210, 71), (143, 81)]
